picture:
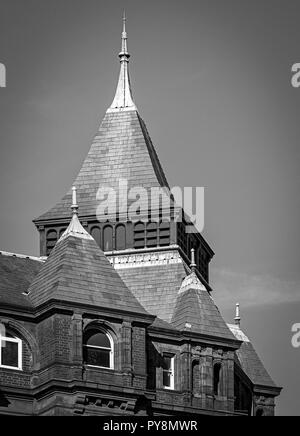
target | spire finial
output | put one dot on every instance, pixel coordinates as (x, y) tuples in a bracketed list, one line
[(123, 98), (74, 206), (237, 319), (75, 228), (124, 21), (124, 51), (193, 265)]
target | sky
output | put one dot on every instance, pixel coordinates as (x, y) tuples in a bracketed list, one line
[(212, 80)]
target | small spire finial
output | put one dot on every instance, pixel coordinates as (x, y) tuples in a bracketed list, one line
[(193, 263), (74, 206), (237, 319), (124, 51), (124, 21), (75, 228)]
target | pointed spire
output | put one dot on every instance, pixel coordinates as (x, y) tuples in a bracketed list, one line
[(237, 319), (123, 97), (75, 228), (193, 265), (124, 38)]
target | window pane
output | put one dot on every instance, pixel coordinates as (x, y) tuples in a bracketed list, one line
[(98, 339), (167, 363), (120, 238), (166, 378), (9, 353), (95, 232), (107, 238), (217, 369), (139, 235), (61, 232), (96, 357)]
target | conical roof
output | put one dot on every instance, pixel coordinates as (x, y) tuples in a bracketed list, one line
[(195, 310), (77, 271), (249, 360), (121, 151)]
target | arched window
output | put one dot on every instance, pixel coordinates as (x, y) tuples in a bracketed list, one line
[(98, 349), (217, 378), (10, 351), (107, 238), (61, 232), (95, 233), (50, 241), (139, 235), (120, 237)]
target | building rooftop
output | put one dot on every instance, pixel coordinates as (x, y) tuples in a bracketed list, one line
[(250, 361), (17, 271), (195, 310)]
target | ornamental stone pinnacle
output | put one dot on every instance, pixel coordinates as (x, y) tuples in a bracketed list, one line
[(75, 228)]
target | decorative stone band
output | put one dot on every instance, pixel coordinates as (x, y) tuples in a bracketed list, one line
[(135, 260)]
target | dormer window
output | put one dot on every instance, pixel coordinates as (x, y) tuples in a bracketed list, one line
[(10, 352), (98, 350)]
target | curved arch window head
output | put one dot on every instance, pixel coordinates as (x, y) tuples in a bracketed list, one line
[(10, 351), (98, 349), (217, 378)]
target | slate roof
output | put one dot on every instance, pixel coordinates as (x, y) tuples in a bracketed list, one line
[(196, 311), (165, 291), (249, 360), (16, 274), (77, 271), (155, 286), (121, 149), (161, 324)]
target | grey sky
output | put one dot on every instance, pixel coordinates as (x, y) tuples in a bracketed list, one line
[(212, 81)]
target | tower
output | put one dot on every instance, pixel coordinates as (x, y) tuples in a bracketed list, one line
[(122, 157)]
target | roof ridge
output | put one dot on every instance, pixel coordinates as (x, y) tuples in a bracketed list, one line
[(22, 256)]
